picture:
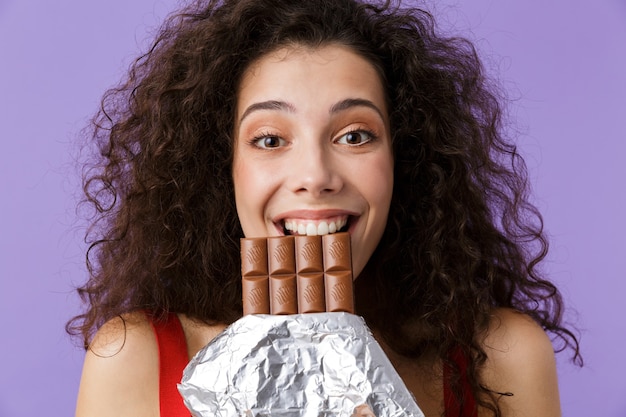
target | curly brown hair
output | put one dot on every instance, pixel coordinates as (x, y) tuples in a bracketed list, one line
[(461, 239)]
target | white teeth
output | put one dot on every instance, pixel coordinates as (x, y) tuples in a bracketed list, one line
[(312, 228)]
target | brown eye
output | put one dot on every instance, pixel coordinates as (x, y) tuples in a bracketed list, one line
[(358, 137), (269, 142), (353, 138)]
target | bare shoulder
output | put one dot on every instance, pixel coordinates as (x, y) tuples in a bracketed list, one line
[(120, 372), (521, 366)]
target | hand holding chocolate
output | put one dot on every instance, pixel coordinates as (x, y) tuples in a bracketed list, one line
[(299, 365), (276, 362)]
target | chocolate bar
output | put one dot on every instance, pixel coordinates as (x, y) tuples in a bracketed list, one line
[(282, 272), (310, 269), (297, 274), (254, 276), (338, 272)]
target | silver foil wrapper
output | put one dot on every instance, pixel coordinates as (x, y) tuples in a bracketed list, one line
[(304, 365)]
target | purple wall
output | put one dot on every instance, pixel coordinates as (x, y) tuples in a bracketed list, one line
[(564, 60)]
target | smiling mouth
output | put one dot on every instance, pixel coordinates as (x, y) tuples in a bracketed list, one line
[(316, 227)]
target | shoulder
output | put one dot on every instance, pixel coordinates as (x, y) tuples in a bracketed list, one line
[(521, 362), (121, 370)]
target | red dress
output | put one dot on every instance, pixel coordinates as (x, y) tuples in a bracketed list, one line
[(173, 359)]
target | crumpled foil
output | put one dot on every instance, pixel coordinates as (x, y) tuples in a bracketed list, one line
[(303, 365)]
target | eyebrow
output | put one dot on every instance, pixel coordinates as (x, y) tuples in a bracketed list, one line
[(355, 102), (268, 105), (290, 108)]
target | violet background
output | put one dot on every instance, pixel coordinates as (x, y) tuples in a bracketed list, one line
[(564, 61)]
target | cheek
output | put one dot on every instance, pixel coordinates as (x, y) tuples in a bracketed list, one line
[(380, 185), (380, 192), (243, 181), (253, 190), (378, 189)]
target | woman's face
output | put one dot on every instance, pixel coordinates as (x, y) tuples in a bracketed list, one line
[(312, 148)]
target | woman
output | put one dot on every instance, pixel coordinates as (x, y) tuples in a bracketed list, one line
[(263, 118)]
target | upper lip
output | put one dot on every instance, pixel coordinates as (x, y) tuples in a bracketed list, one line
[(308, 214)]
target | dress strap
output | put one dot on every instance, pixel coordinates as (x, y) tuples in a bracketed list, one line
[(453, 407), (173, 359)]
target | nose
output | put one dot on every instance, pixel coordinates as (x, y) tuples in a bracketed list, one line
[(314, 171)]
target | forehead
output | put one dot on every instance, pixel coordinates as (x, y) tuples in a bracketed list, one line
[(324, 73)]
